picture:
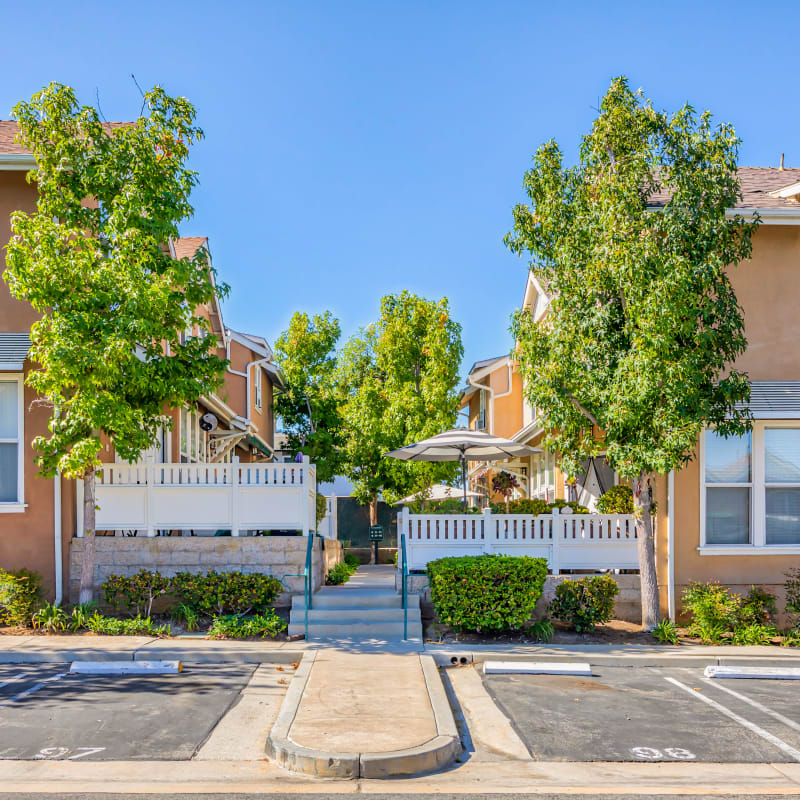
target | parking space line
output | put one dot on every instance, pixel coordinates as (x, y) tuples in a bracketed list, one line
[(12, 679), (34, 688), (790, 723), (745, 723)]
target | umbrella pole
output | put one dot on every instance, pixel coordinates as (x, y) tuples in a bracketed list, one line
[(464, 476)]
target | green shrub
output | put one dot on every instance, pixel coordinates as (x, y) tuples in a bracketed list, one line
[(792, 589), (321, 509), (586, 602), (135, 593), (112, 626), (527, 505), (450, 505), (486, 593), (266, 625), (542, 630), (50, 618), (351, 559), (617, 500), (186, 614), (20, 596), (758, 607), (218, 594), (755, 633), (666, 632), (80, 615), (339, 574)]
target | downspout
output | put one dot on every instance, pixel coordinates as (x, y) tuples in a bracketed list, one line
[(492, 395), (671, 544), (57, 537)]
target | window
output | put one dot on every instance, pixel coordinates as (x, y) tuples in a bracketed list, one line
[(750, 488), (12, 464), (480, 423), (258, 387), (542, 476)]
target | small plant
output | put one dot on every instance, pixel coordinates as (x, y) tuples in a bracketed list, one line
[(20, 596), (714, 611), (542, 630), (758, 607), (617, 500), (112, 626), (186, 614), (339, 574), (504, 483), (135, 593), (50, 618), (585, 603), (79, 617), (351, 559), (666, 632), (753, 634), (266, 625), (792, 638), (792, 589)]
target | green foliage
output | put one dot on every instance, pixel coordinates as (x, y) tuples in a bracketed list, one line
[(792, 588), (135, 593), (759, 607), (108, 292), (50, 618), (321, 508), (308, 406), (754, 634), (20, 596), (80, 615), (535, 506), (504, 483), (542, 630), (666, 632), (617, 500), (486, 593), (450, 505), (186, 614), (397, 380), (217, 594), (137, 626), (586, 602), (351, 559), (341, 572), (266, 626)]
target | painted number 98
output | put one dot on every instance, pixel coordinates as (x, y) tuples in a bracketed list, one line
[(651, 754)]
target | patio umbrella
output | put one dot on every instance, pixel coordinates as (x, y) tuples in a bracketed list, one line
[(437, 492), (463, 444)]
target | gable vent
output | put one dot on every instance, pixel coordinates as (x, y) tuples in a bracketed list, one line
[(774, 399)]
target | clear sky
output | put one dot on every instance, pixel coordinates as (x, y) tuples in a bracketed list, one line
[(359, 148)]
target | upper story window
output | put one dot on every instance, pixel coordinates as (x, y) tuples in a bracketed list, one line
[(750, 487), (480, 423), (11, 434), (258, 387)]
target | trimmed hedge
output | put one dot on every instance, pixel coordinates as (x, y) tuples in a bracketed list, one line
[(218, 594), (585, 603), (486, 593)]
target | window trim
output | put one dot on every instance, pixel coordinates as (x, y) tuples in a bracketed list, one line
[(18, 506), (258, 389), (758, 497)]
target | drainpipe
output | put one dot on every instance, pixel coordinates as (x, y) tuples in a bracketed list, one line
[(57, 536), (492, 395), (671, 543)]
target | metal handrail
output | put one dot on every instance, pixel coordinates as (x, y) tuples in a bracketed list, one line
[(404, 584), (307, 574)]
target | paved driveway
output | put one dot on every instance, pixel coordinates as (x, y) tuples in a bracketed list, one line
[(648, 714), (46, 713)]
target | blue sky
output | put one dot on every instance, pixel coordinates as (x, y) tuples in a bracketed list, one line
[(359, 148)]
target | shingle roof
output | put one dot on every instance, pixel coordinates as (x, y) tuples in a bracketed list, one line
[(9, 129), (187, 246), (756, 183), (14, 349), (487, 362)]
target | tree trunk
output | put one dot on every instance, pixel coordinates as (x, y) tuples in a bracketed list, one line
[(651, 614), (373, 520), (87, 557)]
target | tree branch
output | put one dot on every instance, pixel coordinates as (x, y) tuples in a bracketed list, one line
[(583, 411)]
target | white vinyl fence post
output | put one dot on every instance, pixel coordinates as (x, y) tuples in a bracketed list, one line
[(489, 532), (557, 528), (235, 496), (149, 505)]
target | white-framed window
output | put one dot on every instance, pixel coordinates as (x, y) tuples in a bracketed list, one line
[(192, 438), (542, 476), (258, 388), (12, 460), (480, 423), (750, 489)]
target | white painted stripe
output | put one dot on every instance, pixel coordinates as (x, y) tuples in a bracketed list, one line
[(12, 679), (745, 723), (790, 723), (763, 673), (34, 688), (126, 667), (535, 668)]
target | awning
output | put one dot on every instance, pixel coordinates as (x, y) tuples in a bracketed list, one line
[(774, 399), (13, 350)]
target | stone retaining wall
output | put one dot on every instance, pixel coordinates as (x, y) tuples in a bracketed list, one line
[(273, 555)]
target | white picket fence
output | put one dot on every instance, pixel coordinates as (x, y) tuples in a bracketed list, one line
[(566, 540), (205, 496)]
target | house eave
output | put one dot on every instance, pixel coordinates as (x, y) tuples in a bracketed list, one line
[(769, 216), (19, 162)]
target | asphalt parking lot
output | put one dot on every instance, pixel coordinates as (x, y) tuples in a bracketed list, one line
[(648, 714), (46, 713)]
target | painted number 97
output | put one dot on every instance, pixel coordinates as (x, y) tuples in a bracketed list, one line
[(651, 754)]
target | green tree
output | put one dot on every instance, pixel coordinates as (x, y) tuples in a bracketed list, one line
[(633, 245), (309, 407), (93, 260), (397, 381)]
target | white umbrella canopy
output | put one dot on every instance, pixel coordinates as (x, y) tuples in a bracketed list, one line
[(463, 444), (437, 492)]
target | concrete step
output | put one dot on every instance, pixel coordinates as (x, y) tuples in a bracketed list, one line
[(358, 631), (355, 599), (352, 615)]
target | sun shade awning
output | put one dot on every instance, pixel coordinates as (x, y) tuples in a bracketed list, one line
[(774, 399), (14, 349)]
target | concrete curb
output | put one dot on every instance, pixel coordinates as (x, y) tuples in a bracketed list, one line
[(429, 756)]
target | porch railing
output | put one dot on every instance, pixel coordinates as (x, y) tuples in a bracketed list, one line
[(567, 541), (233, 497)]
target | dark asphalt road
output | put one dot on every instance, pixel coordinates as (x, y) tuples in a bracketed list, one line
[(648, 714), (46, 713)]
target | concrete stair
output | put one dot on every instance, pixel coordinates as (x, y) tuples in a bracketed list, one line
[(367, 608)]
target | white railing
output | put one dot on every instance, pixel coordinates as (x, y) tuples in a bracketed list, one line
[(567, 541), (204, 496)]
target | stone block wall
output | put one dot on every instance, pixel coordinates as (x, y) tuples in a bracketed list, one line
[(278, 556)]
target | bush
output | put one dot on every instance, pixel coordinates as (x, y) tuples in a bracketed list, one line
[(450, 505), (20, 596), (266, 625), (340, 573), (50, 617), (542, 630), (486, 593), (713, 611), (792, 588), (135, 593), (219, 594), (666, 632), (186, 614), (754, 633), (321, 509), (80, 615), (758, 607), (138, 626), (351, 559), (586, 602), (527, 505), (617, 500)]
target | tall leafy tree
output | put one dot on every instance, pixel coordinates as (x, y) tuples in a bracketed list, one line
[(398, 384), (309, 406), (93, 260), (634, 246)]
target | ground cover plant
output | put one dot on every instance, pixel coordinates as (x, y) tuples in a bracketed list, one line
[(488, 592), (266, 625), (585, 603)]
